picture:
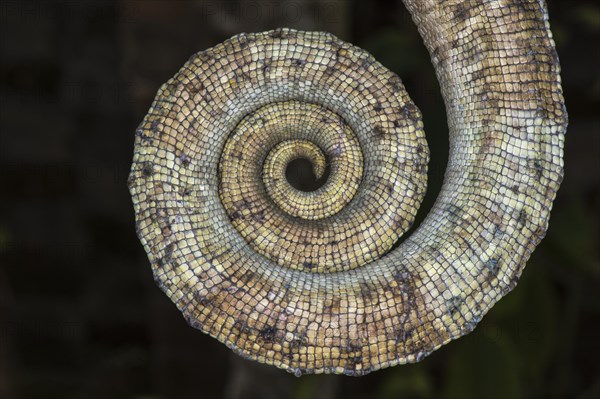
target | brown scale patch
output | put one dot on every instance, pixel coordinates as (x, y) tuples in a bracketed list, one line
[(411, 112), (354, 357), (524, 6), (195, 86), (461, 12), (478, 74), (240, 326), (259, 216), (236, 215), (365, 63), (330, 71), (379, 131), (265, 68), (246, 277), (396, 83), (268, 334), (332, 306), (145, 136), (368, 294)]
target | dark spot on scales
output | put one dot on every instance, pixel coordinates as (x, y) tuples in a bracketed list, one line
[(411, 112), (247, 277), (333, 307), (266, 67), (154, 126), (537, 167), (368, 294), (148, 169), (493, 103), (478, 74), (453, 304), (541, 112), (395, 83), (308, 265), (298, 62), (259, 217), (166, 230), (185, 160), (203, 300), (295, 344), (168, 254), (401, 333), (354, 351), (523, 6), (195, 87), (522, 219), (461, 12), (268, 334), (497, 231), (378, 131), (354, 347), (329, 70), (366, 63), (236, 215), (277, 33), (241, 325), (243, 40), (204, 57), (493, 265)]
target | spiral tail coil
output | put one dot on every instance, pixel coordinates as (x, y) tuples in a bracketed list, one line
[(307, 281)]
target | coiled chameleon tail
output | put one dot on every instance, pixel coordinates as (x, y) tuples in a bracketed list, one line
[(307, 281)]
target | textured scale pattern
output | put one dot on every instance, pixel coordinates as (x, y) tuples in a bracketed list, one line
[(307, 281)]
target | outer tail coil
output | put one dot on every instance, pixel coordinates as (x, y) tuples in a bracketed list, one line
[(307, 281)]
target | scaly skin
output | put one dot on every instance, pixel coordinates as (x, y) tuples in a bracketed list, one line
[(307, 281)]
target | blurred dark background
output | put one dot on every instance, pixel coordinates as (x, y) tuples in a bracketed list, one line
[(80, 316)]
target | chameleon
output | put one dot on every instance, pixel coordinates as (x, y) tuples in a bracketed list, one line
[(312, 281)]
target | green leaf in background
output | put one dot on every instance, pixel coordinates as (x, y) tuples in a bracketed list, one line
[(482, 367), (409, 381), (531, 327), (575, 235), (588, 16), (396, 50)]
